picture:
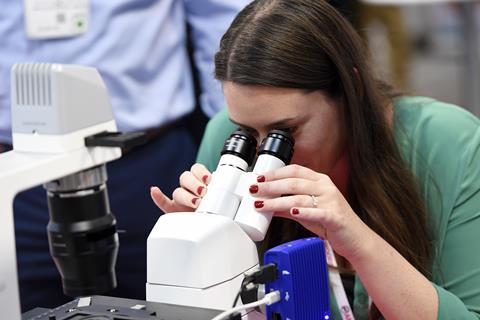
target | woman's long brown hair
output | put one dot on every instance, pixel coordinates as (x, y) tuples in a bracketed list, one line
[(307, 44)]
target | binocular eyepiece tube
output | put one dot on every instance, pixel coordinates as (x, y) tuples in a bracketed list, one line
[(236, 157), (276, 151), (228, 192)]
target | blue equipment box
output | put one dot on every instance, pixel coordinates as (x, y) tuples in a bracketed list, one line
[(302, 281)]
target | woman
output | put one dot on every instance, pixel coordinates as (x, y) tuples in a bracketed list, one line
[(392, 182)]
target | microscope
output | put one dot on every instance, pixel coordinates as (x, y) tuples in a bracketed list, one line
[(215, 246), (208, 258), (63, 134), (198, 263)]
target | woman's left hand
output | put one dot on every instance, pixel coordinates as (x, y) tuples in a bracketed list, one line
[(313, 200)]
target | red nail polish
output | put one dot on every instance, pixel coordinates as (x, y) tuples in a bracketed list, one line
[(295, 211), (253, 188), (261, 178), (205, 178), (200, 190), (258, 204), (194, 201)]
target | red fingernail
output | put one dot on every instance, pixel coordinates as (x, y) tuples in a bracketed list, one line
[(261, 178), (205, 178), (258, 204), (194, 201), (200, 190), (295, 211), (253, 188)]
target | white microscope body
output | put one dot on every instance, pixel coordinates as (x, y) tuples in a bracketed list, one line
[(197, 259), (48, 143)]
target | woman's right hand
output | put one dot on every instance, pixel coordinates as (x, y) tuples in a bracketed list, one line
[(187, 197)]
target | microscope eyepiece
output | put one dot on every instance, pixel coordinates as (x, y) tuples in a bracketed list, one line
[(278, 143), (241, 144)]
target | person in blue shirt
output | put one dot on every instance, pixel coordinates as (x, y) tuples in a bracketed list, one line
[(140, 49)]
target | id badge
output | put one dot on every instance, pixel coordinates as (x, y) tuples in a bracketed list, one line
[(51, 19)]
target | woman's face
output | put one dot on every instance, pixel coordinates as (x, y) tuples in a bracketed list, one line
[(315, 121)]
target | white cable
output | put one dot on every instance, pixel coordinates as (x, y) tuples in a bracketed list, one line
[(269, 299)]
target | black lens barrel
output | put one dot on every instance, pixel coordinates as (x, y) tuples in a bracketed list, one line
[(82, 234), (278, 143), (241, 144)]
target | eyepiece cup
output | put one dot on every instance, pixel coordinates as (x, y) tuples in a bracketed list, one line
[(241, 144), (278, 143)]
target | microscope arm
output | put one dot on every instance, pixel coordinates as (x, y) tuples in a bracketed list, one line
[(20, 171)]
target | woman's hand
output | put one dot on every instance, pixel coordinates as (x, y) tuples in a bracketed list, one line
[(314, 201), (187, 197)]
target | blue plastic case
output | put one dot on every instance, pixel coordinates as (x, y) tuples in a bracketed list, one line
[(302, 281)]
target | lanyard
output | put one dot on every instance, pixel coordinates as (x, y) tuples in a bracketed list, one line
[(337, 285)]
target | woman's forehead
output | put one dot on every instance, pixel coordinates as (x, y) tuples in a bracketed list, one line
[(262, 93), (260, 105)]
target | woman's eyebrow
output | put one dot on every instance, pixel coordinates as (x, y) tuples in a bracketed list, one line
[(277, 124), (241, 125)]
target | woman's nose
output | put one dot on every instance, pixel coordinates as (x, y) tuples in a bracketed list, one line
[(261, 136)]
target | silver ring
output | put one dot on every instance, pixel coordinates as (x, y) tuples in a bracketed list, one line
[(314, 201)]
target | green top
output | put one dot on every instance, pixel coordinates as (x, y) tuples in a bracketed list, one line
[(441, 144)]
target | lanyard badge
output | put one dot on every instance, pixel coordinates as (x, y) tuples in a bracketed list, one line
[(337, 285), (51, 19)]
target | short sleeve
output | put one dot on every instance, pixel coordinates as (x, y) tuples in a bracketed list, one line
[(459, 294), (441, 144)]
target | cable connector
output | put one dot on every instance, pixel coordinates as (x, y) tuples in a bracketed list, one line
[(266, 274), (270, 298), (250, 284)]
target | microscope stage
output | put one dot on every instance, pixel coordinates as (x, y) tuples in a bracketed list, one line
[(110, 308)]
